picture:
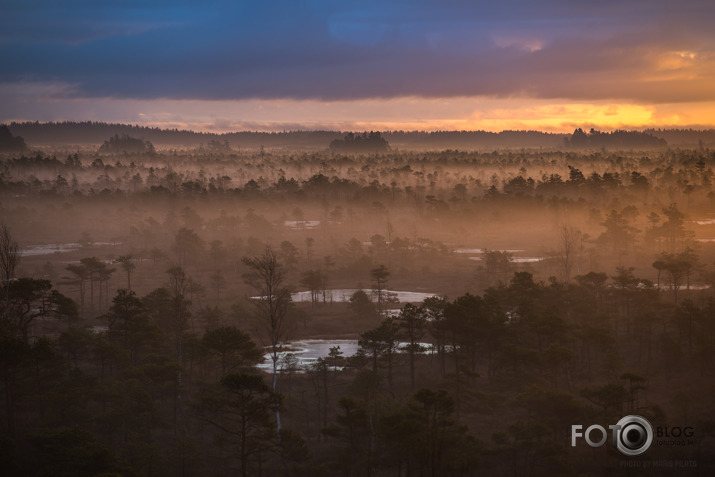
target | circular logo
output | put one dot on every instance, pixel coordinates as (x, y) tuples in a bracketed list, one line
[(634, 435)]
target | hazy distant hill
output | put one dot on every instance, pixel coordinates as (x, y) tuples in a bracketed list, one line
[(10, 143), (95, 133), (88, 132)]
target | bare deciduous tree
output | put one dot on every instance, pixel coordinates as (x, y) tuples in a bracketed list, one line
[(266, 275), (9, 259), (178, 286), (570, 249)]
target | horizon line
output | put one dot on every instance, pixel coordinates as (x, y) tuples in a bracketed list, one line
[(585, 128)]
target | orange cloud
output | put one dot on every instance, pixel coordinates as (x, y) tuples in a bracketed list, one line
[(405, 113), (564, 117)]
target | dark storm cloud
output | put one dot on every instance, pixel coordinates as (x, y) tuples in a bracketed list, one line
[(351, 50)]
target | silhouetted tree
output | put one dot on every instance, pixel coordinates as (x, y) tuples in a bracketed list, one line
[(315, 281), (382, 341), (380, 276), (240, 408), (9, 260), (187, 245), (235, 349), (126, 262), (361, 304), (27, 299), (412, 320), (266, 275)]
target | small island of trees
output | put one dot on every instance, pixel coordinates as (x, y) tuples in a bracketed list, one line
[(618, 138), (365, 142), (126, 144)]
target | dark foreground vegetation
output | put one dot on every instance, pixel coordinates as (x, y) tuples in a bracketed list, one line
[(147, 316)]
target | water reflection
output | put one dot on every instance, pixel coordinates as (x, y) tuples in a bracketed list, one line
[(307, 352), (344, 294)]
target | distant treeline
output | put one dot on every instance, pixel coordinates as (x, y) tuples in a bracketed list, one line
[(685, 137), (474, 139), (88, 132), (618, 138)]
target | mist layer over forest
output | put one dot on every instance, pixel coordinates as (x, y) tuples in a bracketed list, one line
[(570, 282)]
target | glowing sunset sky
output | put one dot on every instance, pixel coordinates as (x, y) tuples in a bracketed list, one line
[(389, 64)]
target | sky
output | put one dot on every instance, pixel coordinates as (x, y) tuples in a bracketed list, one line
[(226, 65)]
